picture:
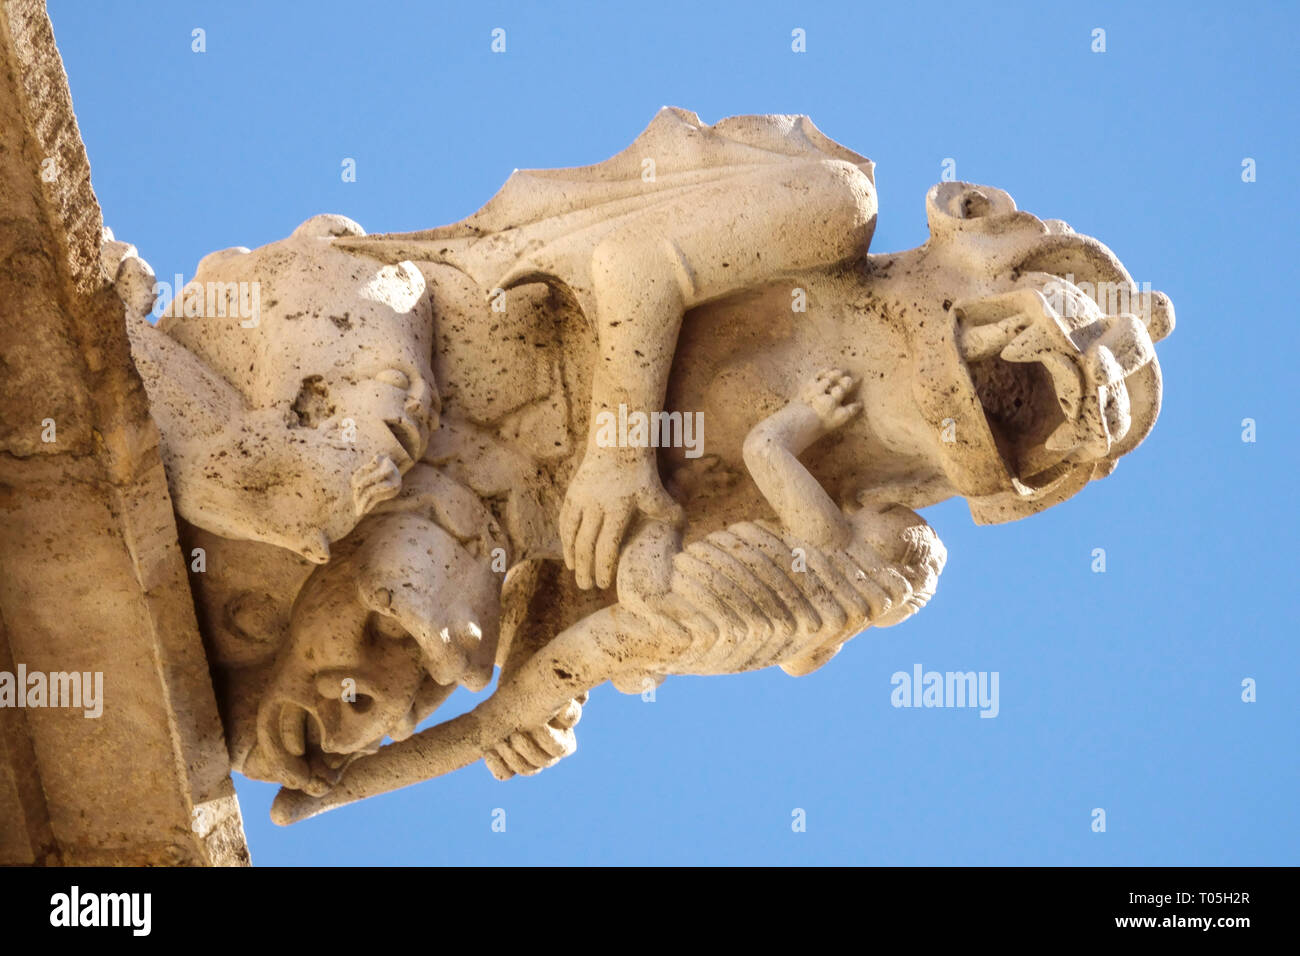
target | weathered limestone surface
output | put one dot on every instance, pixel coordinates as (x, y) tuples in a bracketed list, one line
[(91, 574), (661, 415), (666, 414)]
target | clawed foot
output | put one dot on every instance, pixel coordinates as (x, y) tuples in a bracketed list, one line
[(606, 493)]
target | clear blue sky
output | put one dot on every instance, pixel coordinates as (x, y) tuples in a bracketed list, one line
[(1119, 690)]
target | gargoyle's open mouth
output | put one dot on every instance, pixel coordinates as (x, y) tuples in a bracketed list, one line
[(1022, 410), (1051, 359)]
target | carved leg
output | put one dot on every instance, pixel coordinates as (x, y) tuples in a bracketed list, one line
[(708, 241)]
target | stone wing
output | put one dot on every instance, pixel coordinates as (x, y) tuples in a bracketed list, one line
[(543, 224)]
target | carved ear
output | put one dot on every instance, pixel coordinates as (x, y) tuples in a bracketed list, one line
[(329, 225), (950, 206)]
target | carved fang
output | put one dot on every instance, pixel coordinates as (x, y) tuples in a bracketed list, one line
[(982, 341), (1035, 344)]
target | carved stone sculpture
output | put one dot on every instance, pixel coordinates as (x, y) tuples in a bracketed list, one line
[(661, 415)]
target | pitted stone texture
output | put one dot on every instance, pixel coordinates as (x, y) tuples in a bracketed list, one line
[(500, 496), (91, 575)]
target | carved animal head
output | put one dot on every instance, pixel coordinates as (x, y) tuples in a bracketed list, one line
[(1041, 370), (331, 341)]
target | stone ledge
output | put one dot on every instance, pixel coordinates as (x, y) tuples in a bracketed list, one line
[(91, 574)]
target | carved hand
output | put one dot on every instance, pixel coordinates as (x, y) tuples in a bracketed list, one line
[(825, 395), (528, 752)]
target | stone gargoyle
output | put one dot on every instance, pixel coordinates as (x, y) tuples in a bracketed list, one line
[(661, 415)]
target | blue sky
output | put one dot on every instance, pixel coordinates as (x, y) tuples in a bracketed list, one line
[(1119, 690)]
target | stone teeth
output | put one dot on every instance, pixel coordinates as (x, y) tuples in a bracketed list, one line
[(1103, 367), (1064, 438), (1128, 344), (1117, 415), (982, 341), (1028, 346), (334, 761), (1092, 435)]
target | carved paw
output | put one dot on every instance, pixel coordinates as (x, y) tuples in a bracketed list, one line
[(825, 395), (604, 496), (900, 599), (355, 442)]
